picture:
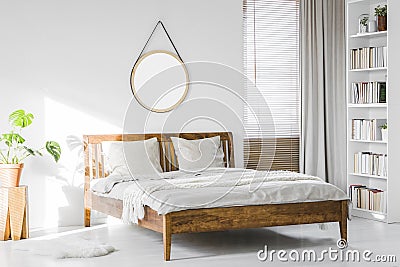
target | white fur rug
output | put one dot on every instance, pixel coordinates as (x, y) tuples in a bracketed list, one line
[(65, 247)]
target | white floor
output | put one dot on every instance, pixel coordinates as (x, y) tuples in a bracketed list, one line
[(140, 247)]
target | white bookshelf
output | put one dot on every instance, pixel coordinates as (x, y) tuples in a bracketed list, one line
[(389, 111)]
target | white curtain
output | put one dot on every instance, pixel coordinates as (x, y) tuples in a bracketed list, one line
[(323, 141)]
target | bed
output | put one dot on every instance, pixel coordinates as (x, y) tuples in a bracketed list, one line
[(201, 219)]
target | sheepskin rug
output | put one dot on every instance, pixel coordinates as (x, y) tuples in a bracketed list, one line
[(66, 247)]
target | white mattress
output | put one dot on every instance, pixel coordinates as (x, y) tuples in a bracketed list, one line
[(272, 192)]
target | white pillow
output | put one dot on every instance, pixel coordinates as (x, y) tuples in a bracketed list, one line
[(140, 157), (199, 154)]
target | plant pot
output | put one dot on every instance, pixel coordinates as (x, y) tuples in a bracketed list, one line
[(384, 135), (363, 28), (382, 23), (10, 174)]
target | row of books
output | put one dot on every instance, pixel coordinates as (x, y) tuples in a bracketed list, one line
[(370, 163), (367, 129), (368, 198), (368, 57), (368, 92)]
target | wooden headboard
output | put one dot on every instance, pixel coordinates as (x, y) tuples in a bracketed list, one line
[(94, 158)]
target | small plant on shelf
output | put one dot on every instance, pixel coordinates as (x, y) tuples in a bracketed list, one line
[(384, 126), (364, 21), (15, 150), (384, 131), (381, 13)]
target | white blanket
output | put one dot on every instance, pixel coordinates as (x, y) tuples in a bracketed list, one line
[(221, 188), (105, 185)]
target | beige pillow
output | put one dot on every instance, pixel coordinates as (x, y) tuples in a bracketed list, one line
[(138, 157), (199, 154)]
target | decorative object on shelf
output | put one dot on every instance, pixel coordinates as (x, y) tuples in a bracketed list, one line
[(381, 14), (384, 131), (372, 25), (363, 23), (159, 78), (16, 151)]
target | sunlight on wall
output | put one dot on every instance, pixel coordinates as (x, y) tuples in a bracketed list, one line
[(64, 186)]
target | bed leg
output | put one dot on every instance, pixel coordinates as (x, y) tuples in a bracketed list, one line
[(343, 229), (87, 216), (343, 221), (167, 237)]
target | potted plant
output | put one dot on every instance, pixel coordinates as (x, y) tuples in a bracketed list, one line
[(384, 131), (15, 151), (364, 23), (381, 14)]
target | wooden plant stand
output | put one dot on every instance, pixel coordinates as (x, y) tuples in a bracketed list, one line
[(13, 213)]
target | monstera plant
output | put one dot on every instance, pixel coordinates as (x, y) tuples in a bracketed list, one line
[(14, 149)]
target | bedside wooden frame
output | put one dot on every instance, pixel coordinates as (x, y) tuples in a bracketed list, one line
[(205, 219)]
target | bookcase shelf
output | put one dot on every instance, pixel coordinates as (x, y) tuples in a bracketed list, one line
[(377, 105), (369, 69), (370, 35), (369, 2), (368, 176), (370, 211), (370, 214), (357, 47), (368, 141)]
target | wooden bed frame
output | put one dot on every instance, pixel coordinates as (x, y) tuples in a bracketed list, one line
[(205, 219)]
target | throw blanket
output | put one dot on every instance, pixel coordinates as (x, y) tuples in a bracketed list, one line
[(105, 185), (137, 193)]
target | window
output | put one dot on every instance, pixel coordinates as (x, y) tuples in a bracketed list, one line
[(271, 62)]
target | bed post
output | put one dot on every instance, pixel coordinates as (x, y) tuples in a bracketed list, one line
[(87, 216), (343, 220), (87, 209), (167, 236)]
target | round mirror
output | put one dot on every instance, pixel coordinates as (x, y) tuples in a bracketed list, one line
[(159, 81)]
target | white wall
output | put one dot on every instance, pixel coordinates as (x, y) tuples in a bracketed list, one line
[(69, 63)]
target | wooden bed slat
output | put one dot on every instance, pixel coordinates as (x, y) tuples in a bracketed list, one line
[(172, 157), (162, 155)]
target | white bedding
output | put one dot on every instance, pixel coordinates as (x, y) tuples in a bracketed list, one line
[(219, 187)]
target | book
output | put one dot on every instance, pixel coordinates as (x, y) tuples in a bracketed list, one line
[(367, 129), (382, 92), (366, 198), (368, 57), (370, 163), (368, 92)]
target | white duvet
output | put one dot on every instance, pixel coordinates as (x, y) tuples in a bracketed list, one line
[(219, 187)]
